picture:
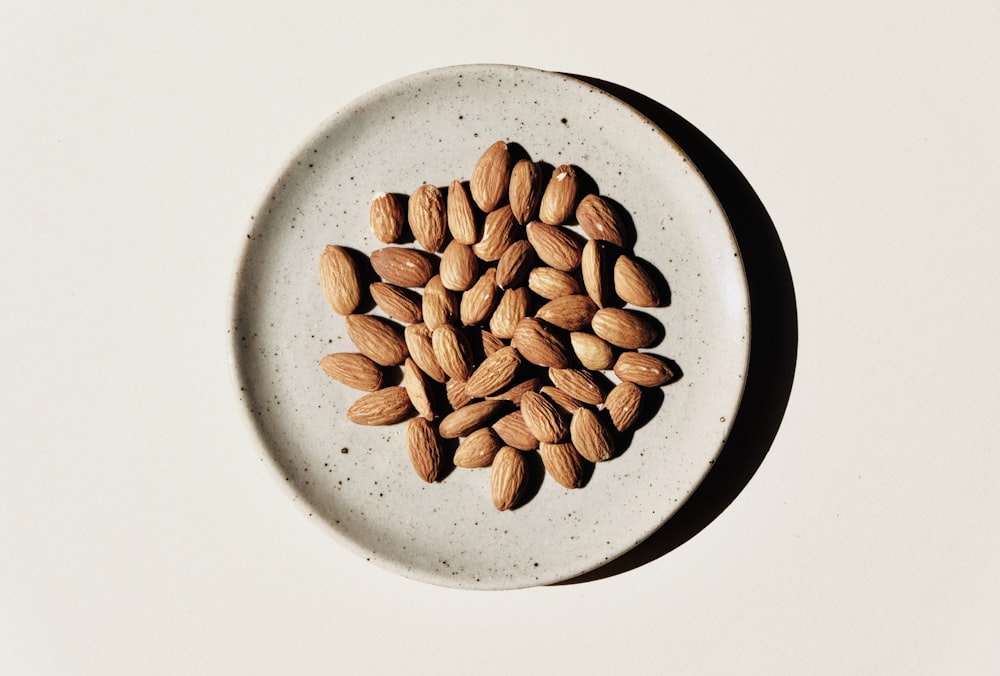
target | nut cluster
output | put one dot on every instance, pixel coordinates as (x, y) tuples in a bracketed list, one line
[(520, 314)]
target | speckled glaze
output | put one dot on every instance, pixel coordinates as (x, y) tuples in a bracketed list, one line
[(431, 127)]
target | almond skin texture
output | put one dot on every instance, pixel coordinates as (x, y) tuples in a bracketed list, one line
[(624, 404), (455, 393), (625, 328), (543, 418), (512, 308), (634, 284), (402, 266), (600, 220), (494, 374), (459, 266), (388, 406), (424, 448), (550, 283), (378, 339), (440, 306), (514, 432), (515, 393), (571, 313), (467, 419), (515, 264), (593, 352), (415, 382), (478, 449), (507, 478), (427, 215), (563, 463), (399, 303), (339, 277), (579, 384), (421, 349), (490, 343), (491, 177), (353, 370), (590, 437), (643, 369), (479, 301), (453, 352), (461, 216), (526, 186), (559, 199), (557, 247), (540, 344), (568, 404), (500, 230), (387, 216), (597, 271)]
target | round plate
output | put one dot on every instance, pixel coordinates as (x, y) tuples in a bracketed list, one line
[(431, 127)]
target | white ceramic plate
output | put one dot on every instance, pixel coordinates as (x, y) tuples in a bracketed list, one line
[(431, 127)]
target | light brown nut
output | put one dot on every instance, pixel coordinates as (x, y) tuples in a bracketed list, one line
[(624, 404), (590, 436), (550, 283), (453, 352), (500, 230), (643, 368), (567, 403), (600, 220), (380, 340), (514, 432), (593, 352), (494, 374), (440, 305), (634, 283), (478, 302), (478, 449), (513, 394), (424, 447), (459, 266), (540, 343), (428, 217), (543, 418), (397, 302), (489, 343), (563, 463), (402, 266), (415, 382), (515, 264), (339, 278), (526, 186), (559, 199), (455, 392), (471, 417), (628, 329), (421, 349), (514, 306), (580, 384), (555, 246), (387, 216), (491, 176), (597, 272), (461, 216), (507, 478), (571, 313), (387, 406), (353, 370)]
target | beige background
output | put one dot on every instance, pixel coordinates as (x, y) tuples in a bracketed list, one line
[(139, 532)]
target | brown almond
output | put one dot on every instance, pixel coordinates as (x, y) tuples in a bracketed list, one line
[(526, 185), (402, 266), (453, 351), (625, 328), (459, 266), (478, 449), (516, 392), (387, 406), (593, 352), (421, 349), (543, 418), (455, 392), (563, 463), (494, 374), (478, 302), (461, 216), (514, 432), (634, 283), (471, 417), (590, 436), (541, 344), (500, 230), (624, 404), (427, 215), (563, 400), (596, 270), (556, 246), (489, 343), (424, 447), (440, 305), (491, 177), (339, 277), (380, 340), (515, 264), (643, 368), (512, 308), (387, 216), (559, 199), (507, 478), (397, 302), (415, 382), (551, 283), (353, 370), (579, 384), (600, 220), (571, 313)]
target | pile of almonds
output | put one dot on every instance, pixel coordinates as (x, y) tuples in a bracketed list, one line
[(519, 316)]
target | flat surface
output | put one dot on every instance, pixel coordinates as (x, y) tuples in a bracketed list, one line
[(141, 531)]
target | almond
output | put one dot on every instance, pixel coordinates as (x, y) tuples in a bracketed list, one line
[(489, 343), (543, 418), (526, 185), (600, 220), (463, 421), (415, 382), (353, 370), (478, 302), (387, 216), (478, 449), (514, 432), (428, 217), (643, 368), (402, 266), (461, 217), (378, 339), (625, 328), (491, 177), (500, 230), (579, 384), (624, 404), (494, 374), (540, 344), (554, 245), (571, 313), (459, 266), (634, 283), (339, 277), (590, 437), (550, 283), (441, 306), (424, 448), (593, 352), (512, 308), (563, 400), (563, 463), (507, 478), (515, 393), (596, 270), (387, 406), (453, 352), (515, 264), (455, 392), (421, 349), (559, 199), (397, 302)]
